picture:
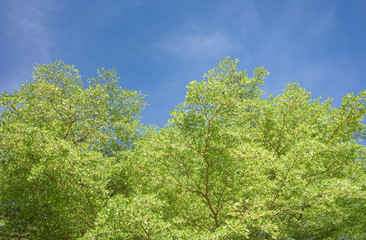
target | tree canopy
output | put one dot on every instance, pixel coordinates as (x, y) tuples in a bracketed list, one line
[(59, 145), (231, 163)]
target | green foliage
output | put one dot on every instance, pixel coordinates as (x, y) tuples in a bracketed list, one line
[(230, 164), (233, 165), (59, 144)]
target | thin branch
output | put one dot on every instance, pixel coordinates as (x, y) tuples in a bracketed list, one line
[(338, 127)]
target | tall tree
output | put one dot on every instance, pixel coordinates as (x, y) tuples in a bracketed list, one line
[(231, 164), (59, 145)]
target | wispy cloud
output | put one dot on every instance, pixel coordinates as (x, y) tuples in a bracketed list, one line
[(27, 38), (198, 46), (293, 46)]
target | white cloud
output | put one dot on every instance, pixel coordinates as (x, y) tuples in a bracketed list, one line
[(26, 23), (27, 38), (198, 46)]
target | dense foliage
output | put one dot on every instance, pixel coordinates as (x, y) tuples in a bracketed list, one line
[(59, 146), (230, 164)]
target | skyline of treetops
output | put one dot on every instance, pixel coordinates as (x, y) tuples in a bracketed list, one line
[(232, 162)]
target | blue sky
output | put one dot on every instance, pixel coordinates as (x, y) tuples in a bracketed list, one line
[(159, 46)]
